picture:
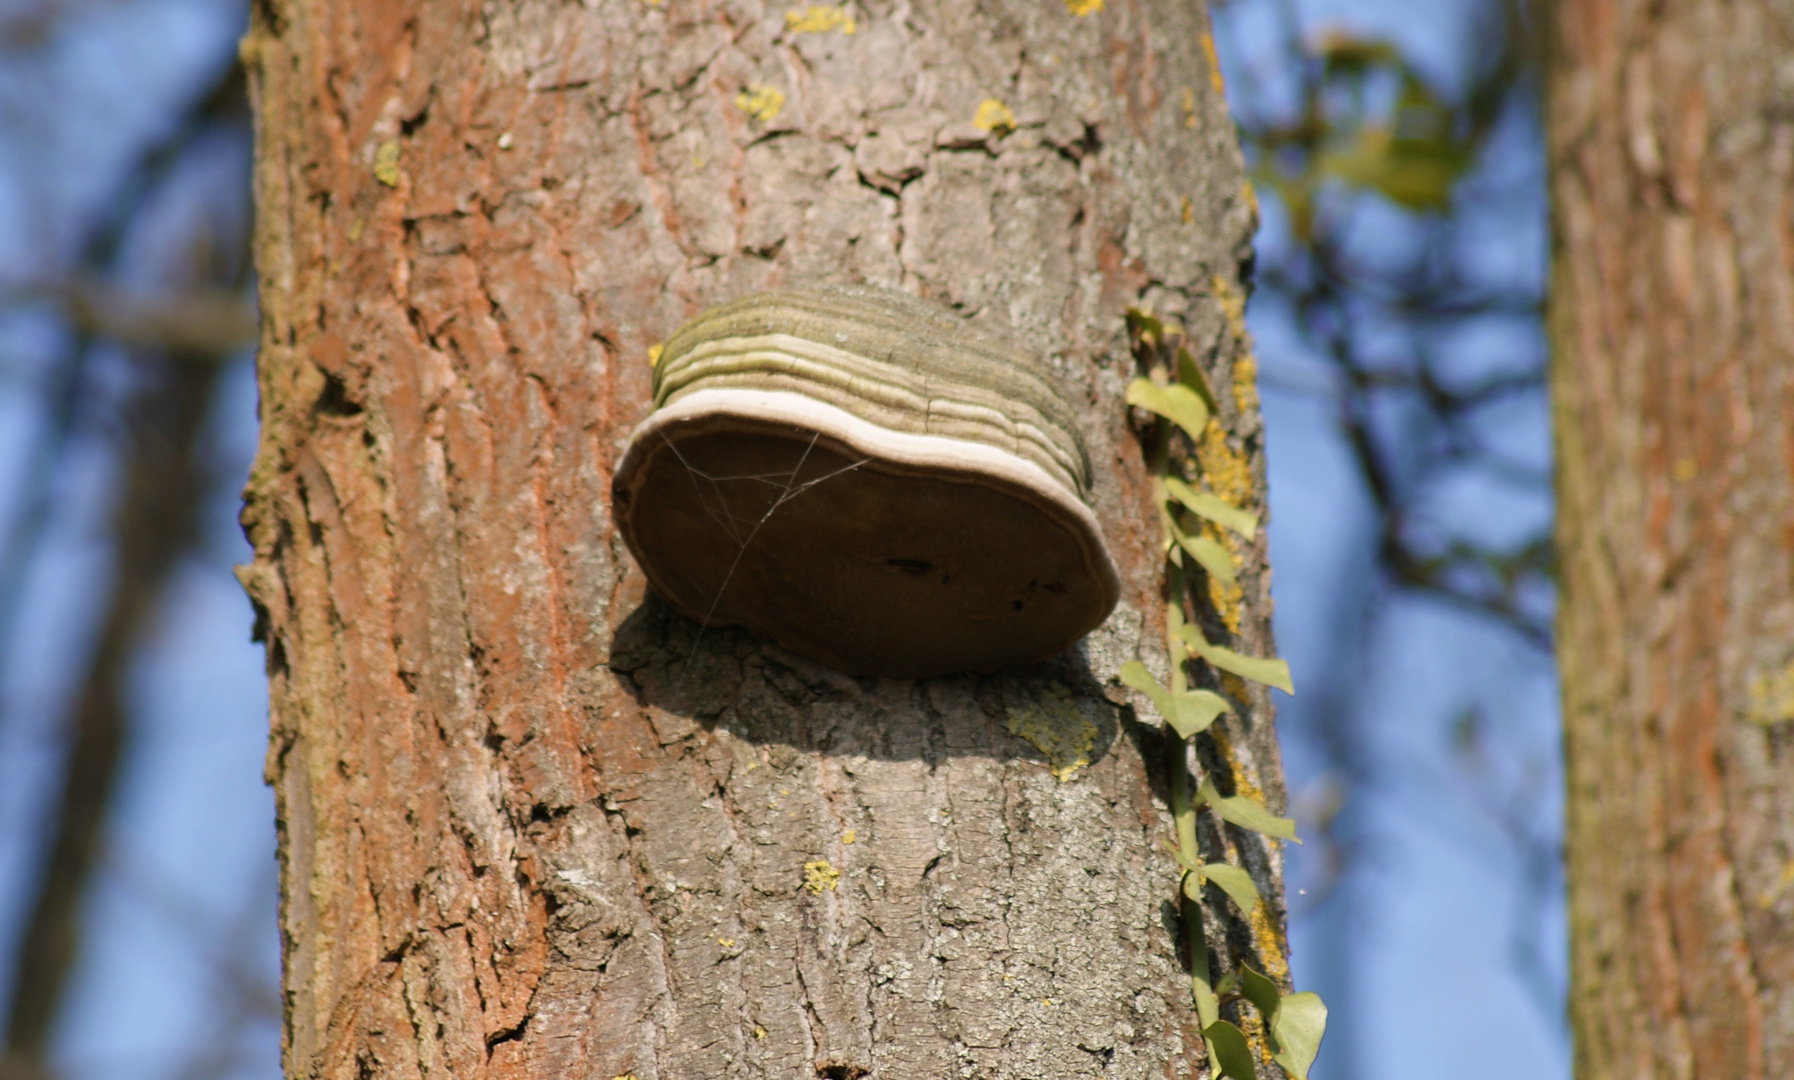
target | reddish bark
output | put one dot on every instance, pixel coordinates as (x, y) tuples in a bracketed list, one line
[(531, 822), (1672, 154)]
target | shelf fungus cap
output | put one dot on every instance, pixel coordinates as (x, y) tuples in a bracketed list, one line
[(859, 476)]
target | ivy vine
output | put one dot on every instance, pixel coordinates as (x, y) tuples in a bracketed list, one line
[(1195, 522)]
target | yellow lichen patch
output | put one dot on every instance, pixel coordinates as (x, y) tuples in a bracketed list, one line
[(819, 875), (1768, 899), (1250, 197), (819, 19), (654, 352), (1225, 596), (1189, 107), (848, 837), (1233, 305), (1245, 381), (1252, 1026), (1057, 728), (760, 102), (1772, 697), (1224, 467), (1223, 745), (1269, 939), (1081, 8), (1245, 365), (1214, 62), (993, 116), (1188, 211), (727, 943), (1242, 783), (386, 163), (1232, 685), (759, 1032)]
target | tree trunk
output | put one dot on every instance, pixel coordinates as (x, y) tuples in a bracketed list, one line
[(532, 823), (1672, 164)]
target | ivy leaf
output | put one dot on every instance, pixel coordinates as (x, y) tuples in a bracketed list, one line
[(1271, 672), (1178, 404), (1213, 507), (1417, 173), (1235, 882), (1208, 554), (1147, 325), (1296, 1021), (1194, 710), (1300, 1023), (1247, 813), (1227, 1044), (1191, 376), (1188, 713), (1261, 992), (1134, 674)]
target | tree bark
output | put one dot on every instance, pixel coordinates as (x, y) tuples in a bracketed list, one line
[(531, 822), (1672, 323)]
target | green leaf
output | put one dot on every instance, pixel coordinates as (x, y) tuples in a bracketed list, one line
[(1344, 53), (1295, 193), (1296, 1021), (1134, 674), (1191, 376), (1417, 173), (1148, 326), (1261, 992), (1300, 1023), (1188, 713), (1213, 507), (1227, 1045), (1247, 814), (1208, 554), (1194, 710), (1178, 404), (1235, 882), (1271, 672), (1227, 983)]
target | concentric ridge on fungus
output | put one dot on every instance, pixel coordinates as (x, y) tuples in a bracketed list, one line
[(858, 475)]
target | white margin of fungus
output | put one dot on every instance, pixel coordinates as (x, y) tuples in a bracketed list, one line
[(929, 452)]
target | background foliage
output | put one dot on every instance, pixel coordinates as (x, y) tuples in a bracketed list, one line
[(1395, 150)]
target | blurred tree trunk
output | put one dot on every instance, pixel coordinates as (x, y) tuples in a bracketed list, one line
[(160, 498), (532, 824), (1672, 183)]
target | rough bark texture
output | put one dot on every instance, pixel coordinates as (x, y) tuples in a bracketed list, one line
[(1672, 160), (531, 822)]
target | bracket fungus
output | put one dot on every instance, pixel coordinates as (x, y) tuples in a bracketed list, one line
[(859, 476)]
